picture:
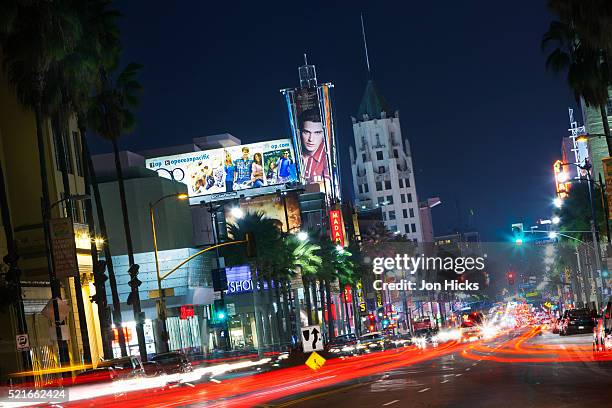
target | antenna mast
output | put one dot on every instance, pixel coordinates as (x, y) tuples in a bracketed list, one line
[(365, 46)]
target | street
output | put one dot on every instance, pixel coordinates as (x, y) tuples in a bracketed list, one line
[(516, 368), (454, 380)]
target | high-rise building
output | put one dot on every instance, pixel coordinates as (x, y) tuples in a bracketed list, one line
[(598, 148), (382, 169)]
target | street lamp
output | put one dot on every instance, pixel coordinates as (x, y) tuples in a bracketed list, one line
[(302, 236), (556, 220), (162, 301), (558, 202), (237, 212)]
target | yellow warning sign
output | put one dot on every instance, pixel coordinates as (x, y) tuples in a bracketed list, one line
[(315, 361)]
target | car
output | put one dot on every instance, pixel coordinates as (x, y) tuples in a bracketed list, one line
[(602, 334), (372, 342), (152, 369), (173, 362), (124, 367), (577, 321), (345, 344), (95, 376)]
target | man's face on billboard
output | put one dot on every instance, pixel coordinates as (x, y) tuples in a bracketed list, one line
[(245, 154), (312, 136)]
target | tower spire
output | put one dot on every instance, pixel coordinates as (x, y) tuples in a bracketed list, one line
[(365, 47)]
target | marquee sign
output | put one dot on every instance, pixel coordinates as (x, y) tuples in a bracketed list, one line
[(336, 227)]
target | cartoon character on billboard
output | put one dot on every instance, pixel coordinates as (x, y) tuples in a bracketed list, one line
[(243, 169), (314, 155)]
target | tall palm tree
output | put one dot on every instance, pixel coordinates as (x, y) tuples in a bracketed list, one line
[(98, 49), (110, 116), (587, 67), (267, 241), (302, 259), (34, 36)]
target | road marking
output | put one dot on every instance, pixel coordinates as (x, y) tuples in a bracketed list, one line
[(390, 403), (321, 394), (444, 382), (458, 375), (425, 389), (474, 364), (468, 369), (215, 380)]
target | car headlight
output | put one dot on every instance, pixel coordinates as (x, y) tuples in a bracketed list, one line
[(372, 345)]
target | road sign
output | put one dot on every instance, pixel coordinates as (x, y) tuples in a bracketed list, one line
[(311, 338), (23, 342), (154, 294), (63, 247), (315, 361), (62, 307)]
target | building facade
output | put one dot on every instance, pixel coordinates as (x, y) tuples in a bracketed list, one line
[(383, 174), (19, 156)]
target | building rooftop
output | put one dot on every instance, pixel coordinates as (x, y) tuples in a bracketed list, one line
[(372, 103)]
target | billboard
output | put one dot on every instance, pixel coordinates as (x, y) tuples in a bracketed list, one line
[(310, 117), (231, 172), (273, 206), (336, 226)]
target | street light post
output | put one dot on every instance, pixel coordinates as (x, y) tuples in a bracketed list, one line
[(161, 310), (62, 344)]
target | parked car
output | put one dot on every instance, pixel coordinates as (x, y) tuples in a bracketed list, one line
[(602, 334), (152, 369), (577, 321), (173, 362), (95, 376), (124, 367)]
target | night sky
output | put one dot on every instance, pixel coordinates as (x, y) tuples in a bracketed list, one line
[(483, 116)]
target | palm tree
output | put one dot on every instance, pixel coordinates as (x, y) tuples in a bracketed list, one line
[(267, 241), (98, 49), (34, 36), (586, 63), (302, 259), (110, 116)]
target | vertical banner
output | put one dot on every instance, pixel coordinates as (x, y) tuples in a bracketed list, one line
[(607, 165), (311, 120), (63, 247), (336, 227)]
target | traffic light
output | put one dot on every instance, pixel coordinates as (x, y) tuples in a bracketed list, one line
[(220, 311), (134, 284), (517, 232), (372, 322), (251, 248), (511, 276), (99, 275), (219, 279)]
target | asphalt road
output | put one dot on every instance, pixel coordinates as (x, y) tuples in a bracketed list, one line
[(474, 380)]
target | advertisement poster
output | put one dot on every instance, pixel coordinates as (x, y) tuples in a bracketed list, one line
[(229, 172), (272, 206)]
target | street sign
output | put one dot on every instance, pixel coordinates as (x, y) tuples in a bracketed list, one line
[(311, 338), (23, 342), (315, 361), (154, 294), (63, 247), (62, 306)]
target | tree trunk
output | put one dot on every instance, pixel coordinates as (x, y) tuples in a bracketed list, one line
[(64, 356), (606, 128), (61, 140), (307, 299), (99, 276), (130, 252), (315, 301), (323, 301), (11, 259), (112, 280), (330, 315), (272, 314)]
